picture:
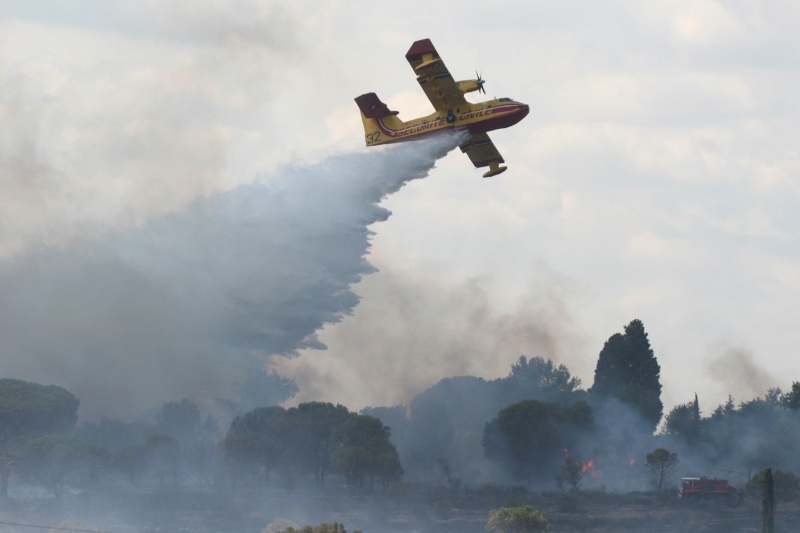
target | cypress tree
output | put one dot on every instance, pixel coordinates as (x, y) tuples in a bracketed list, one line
[(694, 433), (608, 373), (628, 370)]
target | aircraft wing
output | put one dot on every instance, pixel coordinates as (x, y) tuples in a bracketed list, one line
[(433, 76), (481, 150)]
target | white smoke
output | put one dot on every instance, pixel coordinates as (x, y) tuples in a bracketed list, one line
[(181, 307)]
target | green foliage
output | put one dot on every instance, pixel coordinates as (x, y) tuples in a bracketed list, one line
[(724, 410), (530, 435), (661, 464), (32, 409), (387, 468), (517, 520), (180, 419), (257, 438), (448, 419), (579, 414), (29, 409), (571, 472), (545, 375), (163, 454), (627, 370), (258, 422), (609, 374), (131, 461), (245, 450), (243, 458), (58, 461), (353, 463), (679, 420), (759, 432), (114, 434), (310, 438), (684, 421), (791, 399), (786, 484), (366, 451), (315, 437)]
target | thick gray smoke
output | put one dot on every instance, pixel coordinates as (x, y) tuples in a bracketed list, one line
[(180, 307)]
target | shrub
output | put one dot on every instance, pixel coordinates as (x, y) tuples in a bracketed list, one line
[(517, 520)]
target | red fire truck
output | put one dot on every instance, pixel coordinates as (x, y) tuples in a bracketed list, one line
[(703, 487)]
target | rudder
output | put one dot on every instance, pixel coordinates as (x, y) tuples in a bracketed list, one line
[(378, 120)]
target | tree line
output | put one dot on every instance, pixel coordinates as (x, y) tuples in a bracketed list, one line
[(40, 445), (535, 426), (313, 437)]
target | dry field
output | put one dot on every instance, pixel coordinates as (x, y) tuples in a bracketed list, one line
[(415, 510)]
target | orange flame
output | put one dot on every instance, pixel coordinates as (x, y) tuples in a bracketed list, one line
[(588, 467)]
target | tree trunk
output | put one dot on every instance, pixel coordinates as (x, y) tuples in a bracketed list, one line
[(768, 503)]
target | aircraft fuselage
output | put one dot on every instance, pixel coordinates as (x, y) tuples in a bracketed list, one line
[(475, 118)]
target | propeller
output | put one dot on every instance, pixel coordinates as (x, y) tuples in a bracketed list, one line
[(480, 83)]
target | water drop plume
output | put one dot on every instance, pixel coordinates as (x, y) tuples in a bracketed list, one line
[(183, 306)]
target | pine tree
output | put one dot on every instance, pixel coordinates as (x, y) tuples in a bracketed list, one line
[(661, 464), (627, 370)]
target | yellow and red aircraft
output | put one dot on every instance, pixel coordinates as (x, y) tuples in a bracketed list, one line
[(453, 112)]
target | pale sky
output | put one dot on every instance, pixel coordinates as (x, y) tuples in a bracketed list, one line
[(656, 176)]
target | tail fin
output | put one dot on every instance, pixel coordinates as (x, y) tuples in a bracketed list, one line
[(377, 119)]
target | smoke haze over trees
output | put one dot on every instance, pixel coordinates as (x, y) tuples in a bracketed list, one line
[(314, 438), (535, 427), (749, 436), (530, 436)]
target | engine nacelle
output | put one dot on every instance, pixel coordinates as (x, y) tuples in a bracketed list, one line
[(468, 86)]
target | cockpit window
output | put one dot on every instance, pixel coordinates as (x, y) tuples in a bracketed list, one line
[(504, 100)]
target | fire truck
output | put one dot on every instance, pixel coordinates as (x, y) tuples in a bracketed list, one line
[(703, 487)]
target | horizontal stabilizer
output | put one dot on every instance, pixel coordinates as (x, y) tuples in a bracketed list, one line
[(433, 63), (372, 107)]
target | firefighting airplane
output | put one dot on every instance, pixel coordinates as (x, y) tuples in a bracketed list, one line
[(453, 112)]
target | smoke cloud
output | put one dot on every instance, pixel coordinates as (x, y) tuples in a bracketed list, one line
[(736, 369), (182, 306), (418, 331)]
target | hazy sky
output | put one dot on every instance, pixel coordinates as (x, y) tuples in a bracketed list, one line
[(654, 178)]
